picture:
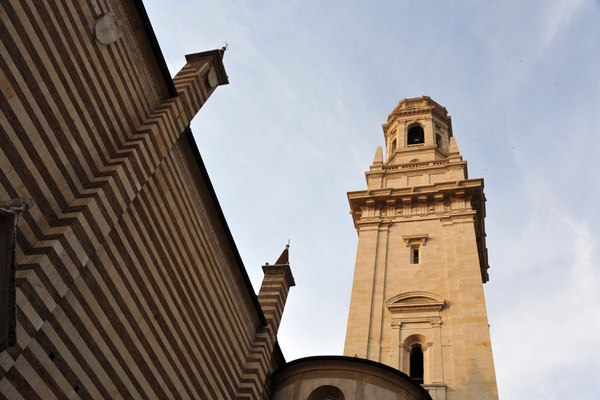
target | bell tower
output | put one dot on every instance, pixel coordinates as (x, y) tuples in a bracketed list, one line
[(417, 299)]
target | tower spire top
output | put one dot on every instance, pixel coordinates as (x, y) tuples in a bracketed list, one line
[(418, 129), (284, 257)]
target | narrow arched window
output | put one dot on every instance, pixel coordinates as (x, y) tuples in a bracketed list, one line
[(393, 145), (416, 135), (416, 363), (438, 140)]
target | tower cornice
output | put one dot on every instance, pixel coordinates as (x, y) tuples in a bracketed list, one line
[(378, 195), (444, 201), (440, 200)]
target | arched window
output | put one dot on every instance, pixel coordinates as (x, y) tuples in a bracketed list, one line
[(326, 392), (416, 135), (416, 363), (438, 140), (393, 145)]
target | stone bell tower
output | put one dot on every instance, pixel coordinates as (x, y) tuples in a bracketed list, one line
[(417, 298)]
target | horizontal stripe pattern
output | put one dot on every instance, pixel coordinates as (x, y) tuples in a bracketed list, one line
[(126, 285), (255, 382)]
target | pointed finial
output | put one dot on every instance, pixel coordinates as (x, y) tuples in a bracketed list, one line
[(223, 49), (378, 156), (284, 257), (453, 145)]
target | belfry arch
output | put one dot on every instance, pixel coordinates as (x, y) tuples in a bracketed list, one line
[(415, 135)]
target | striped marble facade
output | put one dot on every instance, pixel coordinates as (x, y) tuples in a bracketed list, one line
[(128, 283), (256, 381)]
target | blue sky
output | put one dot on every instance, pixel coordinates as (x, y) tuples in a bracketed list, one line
[(311, 82)]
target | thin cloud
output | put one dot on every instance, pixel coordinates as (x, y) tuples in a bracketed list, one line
[(311, 84)]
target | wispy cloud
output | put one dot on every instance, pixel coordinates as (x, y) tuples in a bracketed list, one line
[(556, 18), (311, 84)]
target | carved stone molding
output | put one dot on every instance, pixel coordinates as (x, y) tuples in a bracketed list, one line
[(415, 302), (415, 239), (439, 200), (279, 271)]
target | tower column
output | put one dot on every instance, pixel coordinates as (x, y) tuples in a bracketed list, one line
[(376, 349), (437, 368), (395, 349), (361, 303)]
